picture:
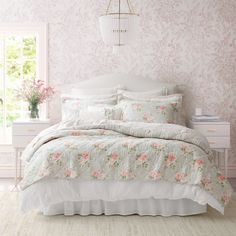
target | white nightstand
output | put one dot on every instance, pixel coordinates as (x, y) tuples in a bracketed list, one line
[(218, 136), (22, 134)]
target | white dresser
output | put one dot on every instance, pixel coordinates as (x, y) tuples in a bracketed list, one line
[(218, 136), (22, 134)]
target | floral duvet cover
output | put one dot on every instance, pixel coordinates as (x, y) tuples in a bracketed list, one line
[(124, 151)]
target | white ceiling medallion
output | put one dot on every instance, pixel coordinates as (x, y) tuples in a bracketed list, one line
[(119, 28)]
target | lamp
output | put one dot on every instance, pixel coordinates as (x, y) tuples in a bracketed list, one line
[(119, 28)]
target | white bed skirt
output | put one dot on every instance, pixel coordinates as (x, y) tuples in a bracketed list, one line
[(153, 207), (68, 197)]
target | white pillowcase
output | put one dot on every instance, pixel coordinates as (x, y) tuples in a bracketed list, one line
[(95, 91), (110, 112), (71, 105), (95, 114), (125, 94)]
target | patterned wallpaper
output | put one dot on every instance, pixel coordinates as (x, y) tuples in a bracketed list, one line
[(191, 42)]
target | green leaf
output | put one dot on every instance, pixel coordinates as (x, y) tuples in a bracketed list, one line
[(29, 47), (13, 47)]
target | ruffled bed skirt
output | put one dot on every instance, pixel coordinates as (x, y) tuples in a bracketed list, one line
[(153, 207), (68, 197)]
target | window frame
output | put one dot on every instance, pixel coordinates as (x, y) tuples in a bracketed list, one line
[(41, 30)]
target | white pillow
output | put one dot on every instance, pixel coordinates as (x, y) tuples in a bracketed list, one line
[(95, 91), (71, 106), (94, 114), (110, 112), (124, 94)]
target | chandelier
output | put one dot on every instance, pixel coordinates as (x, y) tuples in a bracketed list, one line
[(119, 28)]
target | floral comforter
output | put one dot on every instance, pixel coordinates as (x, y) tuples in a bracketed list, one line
[(115, 150)]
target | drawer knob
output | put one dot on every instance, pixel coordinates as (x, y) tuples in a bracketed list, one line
[(211, 142), (31, 130), (211, 130)]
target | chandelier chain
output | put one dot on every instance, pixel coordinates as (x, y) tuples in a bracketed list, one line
[(131, 9), (109, 4)]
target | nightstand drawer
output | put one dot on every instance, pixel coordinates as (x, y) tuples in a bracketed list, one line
[(219, 142), (21, 140), (213, 130), (28, 129)]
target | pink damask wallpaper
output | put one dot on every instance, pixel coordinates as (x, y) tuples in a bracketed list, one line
[(191, 42)]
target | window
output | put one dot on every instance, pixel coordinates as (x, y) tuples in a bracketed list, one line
[(23, 55)]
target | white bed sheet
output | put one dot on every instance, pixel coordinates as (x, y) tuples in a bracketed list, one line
[(49, 195)]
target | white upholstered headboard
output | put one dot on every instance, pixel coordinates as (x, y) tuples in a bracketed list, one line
[(130, 82)]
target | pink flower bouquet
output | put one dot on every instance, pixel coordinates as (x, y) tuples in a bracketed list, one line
[(35, 93)]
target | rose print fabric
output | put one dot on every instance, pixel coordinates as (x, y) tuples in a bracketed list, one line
[(149, 111), (115, 150)]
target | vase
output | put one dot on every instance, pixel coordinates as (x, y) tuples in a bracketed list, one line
[(34, 110)]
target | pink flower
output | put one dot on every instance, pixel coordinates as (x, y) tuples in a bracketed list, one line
[(34, 91), (114, 156), (155, 145), (179, 177), (170, 159), (127, 174), (68, 173), (206, 182), (142, 158), (154, 174), (162, 108), (199, 163), (225, 199), (85, 158), (221, 179), (97, 174), (56, 156)]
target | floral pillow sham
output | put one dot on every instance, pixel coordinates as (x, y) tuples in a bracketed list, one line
[(164, 110)]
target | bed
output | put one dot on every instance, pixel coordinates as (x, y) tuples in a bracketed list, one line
[(122, 166)]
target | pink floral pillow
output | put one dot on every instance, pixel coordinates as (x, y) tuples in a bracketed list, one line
[(149, 111)]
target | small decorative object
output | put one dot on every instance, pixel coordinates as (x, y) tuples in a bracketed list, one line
[(119, 28), (35, 93)]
